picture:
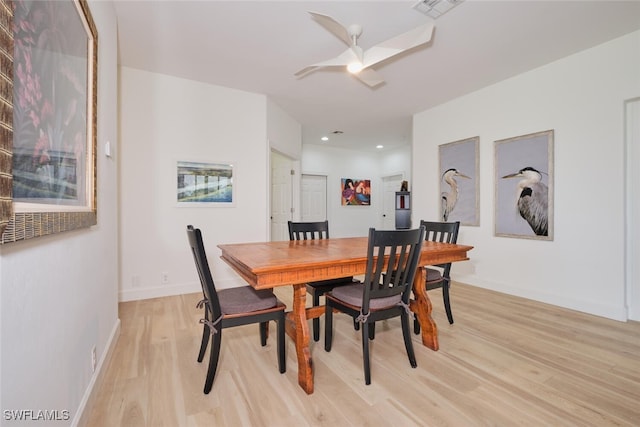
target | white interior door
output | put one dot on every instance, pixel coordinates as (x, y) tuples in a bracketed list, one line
[(313, 193), (281, 195), (390, 185)]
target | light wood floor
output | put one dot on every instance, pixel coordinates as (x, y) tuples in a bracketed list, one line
[(506, 361)]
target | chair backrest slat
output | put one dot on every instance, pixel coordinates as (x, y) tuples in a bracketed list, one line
[(308, 230), (396, 254), (443, 232)]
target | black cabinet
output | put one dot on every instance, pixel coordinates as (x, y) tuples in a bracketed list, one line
[(403, 210)]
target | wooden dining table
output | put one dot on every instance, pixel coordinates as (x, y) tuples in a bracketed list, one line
[(266, 265)]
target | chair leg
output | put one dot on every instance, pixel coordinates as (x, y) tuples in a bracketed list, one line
[(264, 333), (316, 321), (213, 361), (328, 326), (282, 360), (365, 353), (406, 333), (372, 331), (447, 303), (416, 326), (206, 333)]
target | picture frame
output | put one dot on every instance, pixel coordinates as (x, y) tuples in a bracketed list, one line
[(355, 192), (48, 154), (205, 184), (524, 186), (459, 166)]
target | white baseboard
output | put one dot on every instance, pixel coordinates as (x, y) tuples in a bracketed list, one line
[(601, 310), (87, 402), (158, 291), (135, 294)]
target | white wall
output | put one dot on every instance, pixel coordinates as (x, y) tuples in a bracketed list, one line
[(283, 132), (59, 293), (165, 119), (582, 98), (338, 163)]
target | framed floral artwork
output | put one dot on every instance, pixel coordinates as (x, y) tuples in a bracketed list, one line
[(53, 117)]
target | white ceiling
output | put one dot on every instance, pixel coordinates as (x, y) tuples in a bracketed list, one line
[(257, 46)]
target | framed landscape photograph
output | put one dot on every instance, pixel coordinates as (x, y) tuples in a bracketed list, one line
[(460, 181), (51, 175), (524, 186), (205, 184)]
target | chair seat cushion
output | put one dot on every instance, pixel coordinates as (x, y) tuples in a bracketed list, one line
[(352, 294), (245, 299), (433, 275)]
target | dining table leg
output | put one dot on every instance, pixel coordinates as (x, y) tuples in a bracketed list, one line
[(298, 329), (421, 307)]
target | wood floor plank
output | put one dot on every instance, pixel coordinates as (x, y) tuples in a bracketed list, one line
[(507, 361)]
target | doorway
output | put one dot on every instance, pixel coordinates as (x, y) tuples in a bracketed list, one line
[(390, 185), (282, 174), (313, 198)]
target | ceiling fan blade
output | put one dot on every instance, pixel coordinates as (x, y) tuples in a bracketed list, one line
[(334, 27), (339, 61), (370, 77), (398, 44)]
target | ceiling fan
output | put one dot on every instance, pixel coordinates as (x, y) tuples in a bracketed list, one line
[(357, 61)]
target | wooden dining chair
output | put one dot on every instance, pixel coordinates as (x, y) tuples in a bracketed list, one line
[(312, 231), (392, 260), (232, 307), (440, 277)]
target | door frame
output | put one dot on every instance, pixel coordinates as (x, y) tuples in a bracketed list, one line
[(632, 207)]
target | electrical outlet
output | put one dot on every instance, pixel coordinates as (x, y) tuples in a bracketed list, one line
[(94, 359), (164, 278)]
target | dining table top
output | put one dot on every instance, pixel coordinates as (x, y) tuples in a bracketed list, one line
[(269, 264)]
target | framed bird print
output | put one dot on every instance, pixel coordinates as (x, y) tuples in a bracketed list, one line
[(459, 181), (524, 186)]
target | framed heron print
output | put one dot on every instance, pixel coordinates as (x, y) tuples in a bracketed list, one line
[(524, 186), (459, 181), (54, 97)]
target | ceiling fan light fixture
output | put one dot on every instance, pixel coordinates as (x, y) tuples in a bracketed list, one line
[(436, 8), (354, 67), (358, 63)]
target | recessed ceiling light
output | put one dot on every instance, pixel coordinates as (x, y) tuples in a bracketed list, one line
[(379, 146), (325, 138)]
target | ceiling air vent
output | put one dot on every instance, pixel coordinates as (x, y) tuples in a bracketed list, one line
[(436, 8)]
